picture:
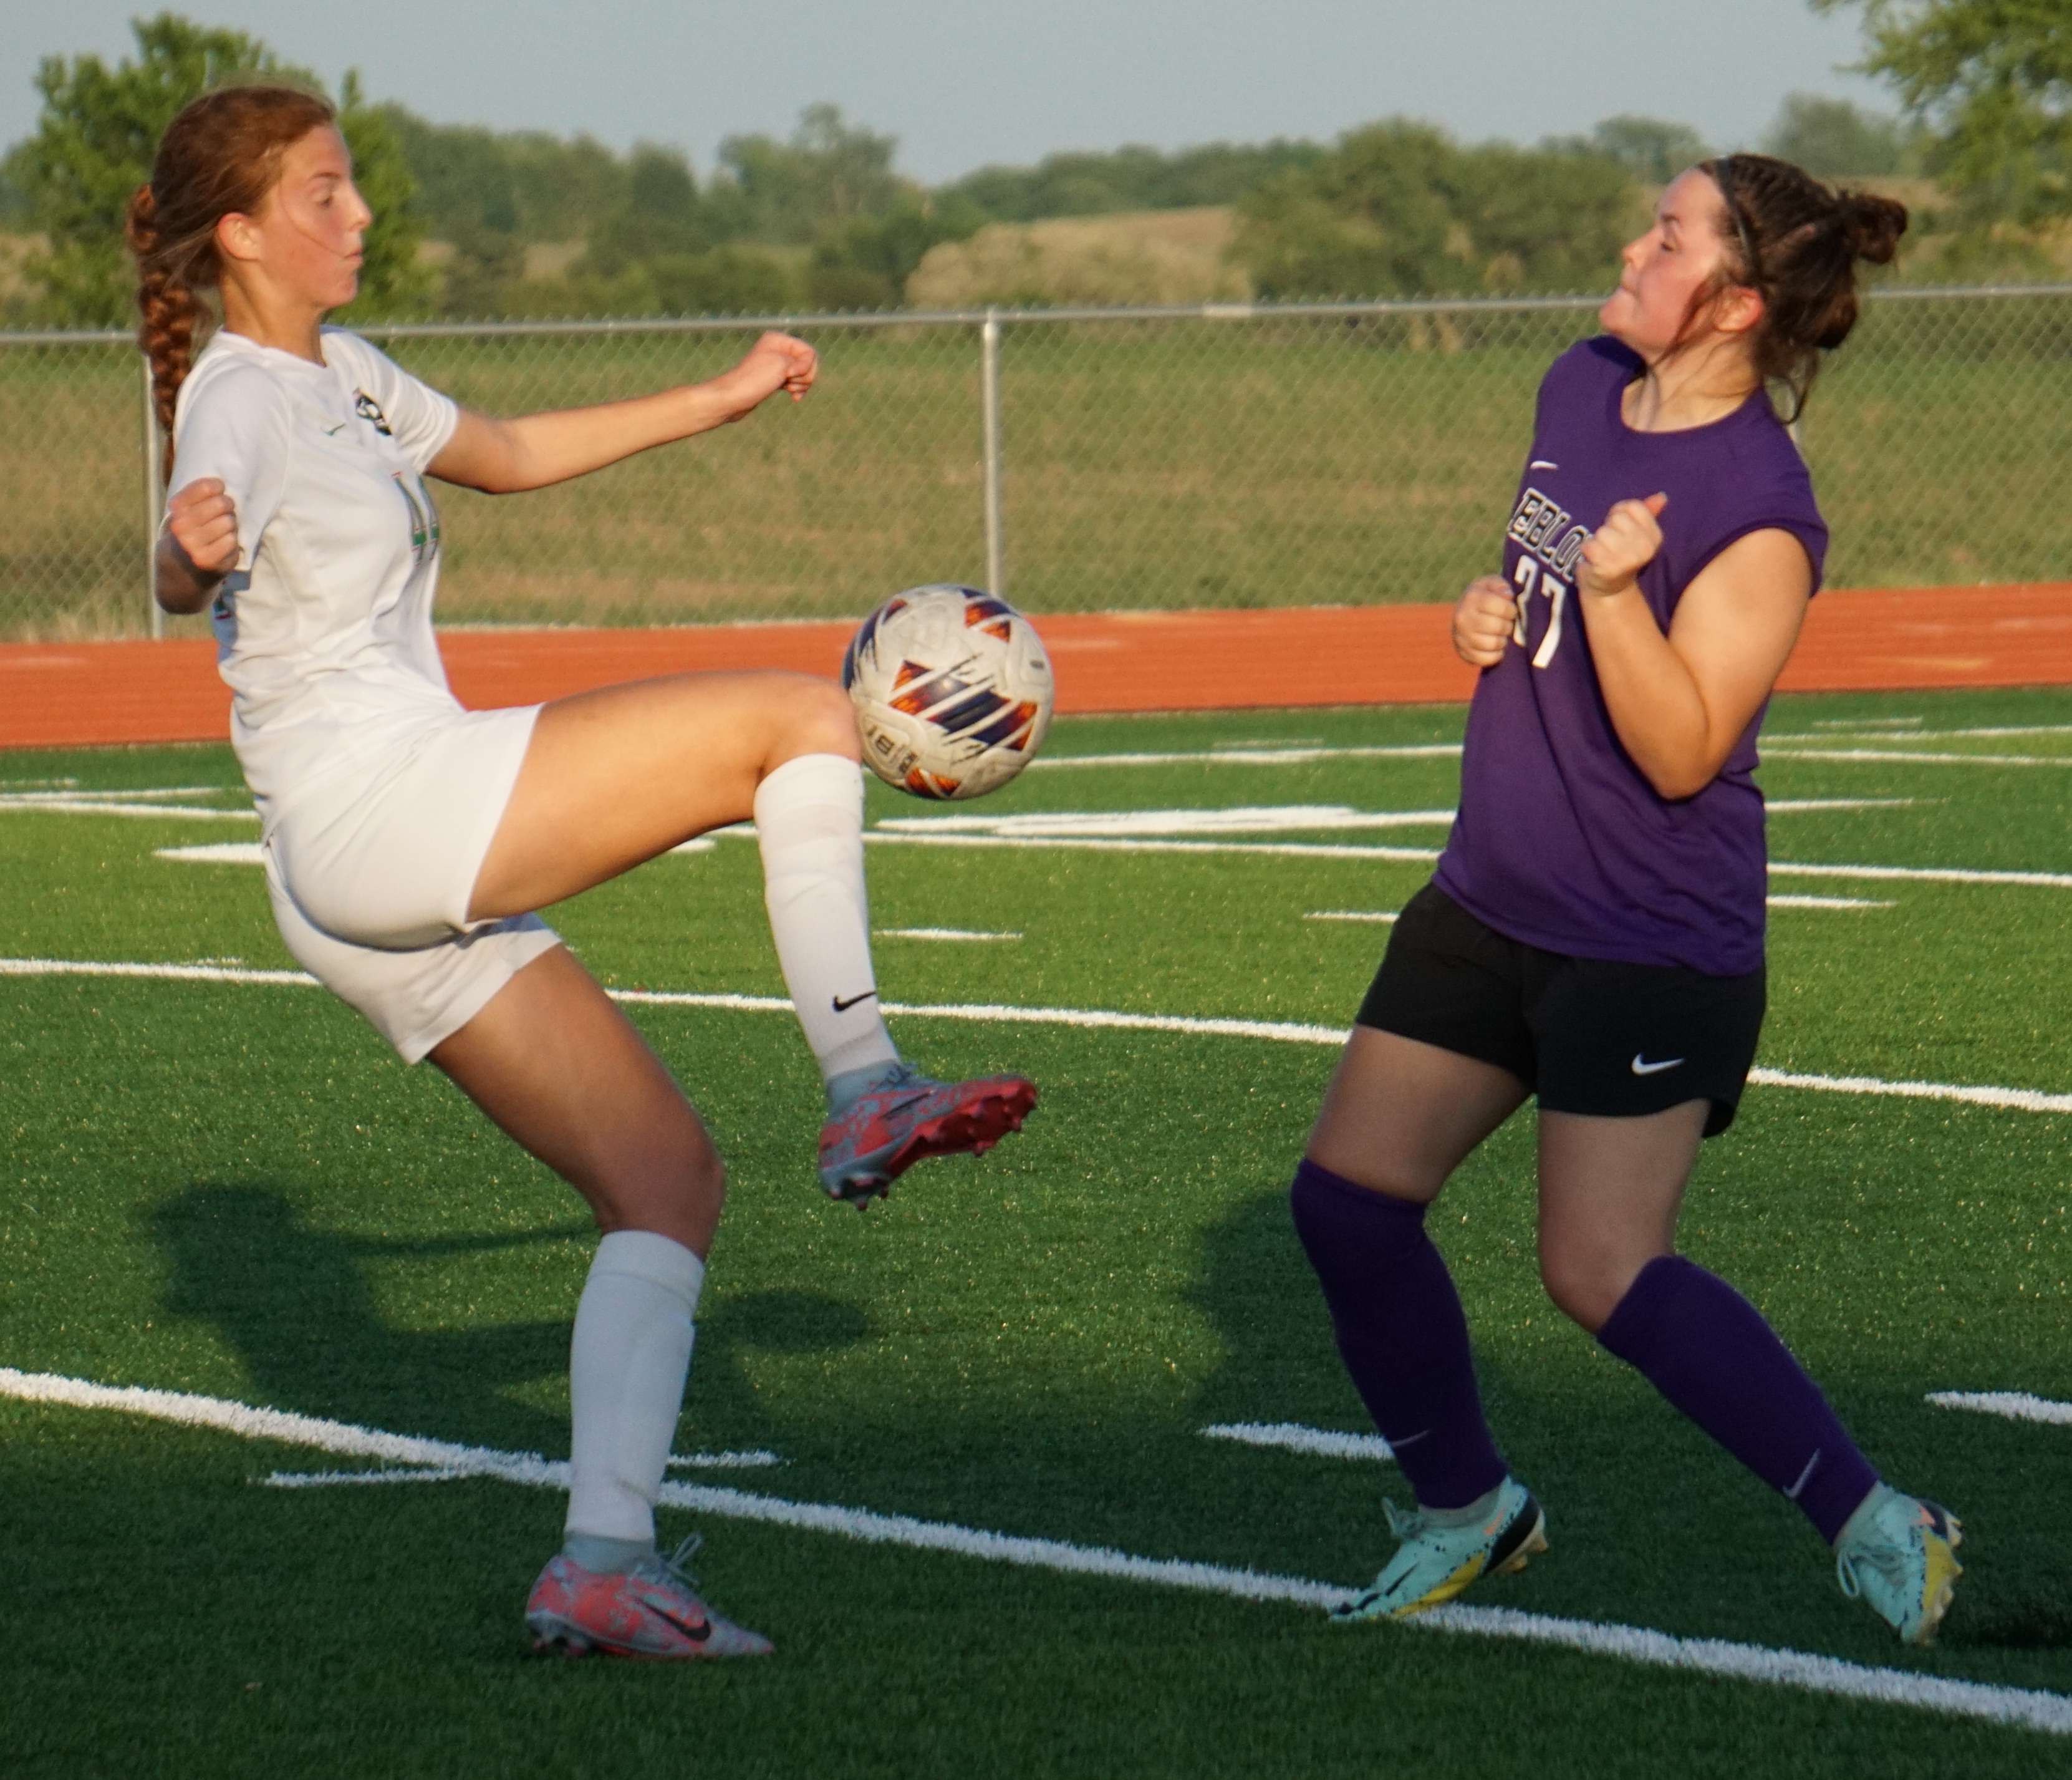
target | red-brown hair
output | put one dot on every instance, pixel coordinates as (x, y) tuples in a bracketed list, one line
[(220, 156), (1796, 242)]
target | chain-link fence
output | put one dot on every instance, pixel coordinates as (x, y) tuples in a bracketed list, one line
[(1249, 455)]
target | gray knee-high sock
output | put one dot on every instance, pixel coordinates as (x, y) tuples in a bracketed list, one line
[(809, 822), (627, 1364)]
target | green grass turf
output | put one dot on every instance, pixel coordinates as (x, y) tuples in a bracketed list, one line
[(236, 1191)]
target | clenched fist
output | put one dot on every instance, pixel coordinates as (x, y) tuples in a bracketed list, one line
[(1624, 545), (776, 361), (1485, 620), (202, 520)]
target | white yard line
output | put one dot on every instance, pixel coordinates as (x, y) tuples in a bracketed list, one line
[(1242, 819), (2008, 1099), (2014, 1405), (1825, 902), (249, 853), (1316, 849), (1085, 1018), (1799, 806), (2029, 1708), (1897, 731), (80, 806), (1924, 874), (332, 1480), (1138, 824), (72, 794), (171, 973), (1379, 917), (1910, 757), (1294, 1437), (939, 933)]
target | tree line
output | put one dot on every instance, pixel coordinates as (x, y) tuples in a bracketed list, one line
[(481, 223)]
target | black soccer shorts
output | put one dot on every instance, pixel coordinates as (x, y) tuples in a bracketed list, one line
[(1586, 1035)]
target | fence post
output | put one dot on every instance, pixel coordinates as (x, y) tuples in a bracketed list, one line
[(154, 503), (989, 337)]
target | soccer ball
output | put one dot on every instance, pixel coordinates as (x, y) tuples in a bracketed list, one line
[(952, 691)]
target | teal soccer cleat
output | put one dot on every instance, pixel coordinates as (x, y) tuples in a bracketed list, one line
[(1898, 1553), (1438, 1559)]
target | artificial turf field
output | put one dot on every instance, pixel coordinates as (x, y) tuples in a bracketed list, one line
[(230, 1189)]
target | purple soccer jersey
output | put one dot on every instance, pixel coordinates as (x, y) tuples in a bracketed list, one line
[(1561, 841)]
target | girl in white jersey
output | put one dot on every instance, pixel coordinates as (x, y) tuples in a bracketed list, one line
[(408, 842)]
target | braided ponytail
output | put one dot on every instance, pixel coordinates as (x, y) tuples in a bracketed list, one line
[(1797, 243), (218, 156), (171, 314)]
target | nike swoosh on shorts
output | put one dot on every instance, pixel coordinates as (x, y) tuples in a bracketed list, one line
[(1643, 1068)]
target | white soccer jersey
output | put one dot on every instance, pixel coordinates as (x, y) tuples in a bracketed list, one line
[(324, 629)]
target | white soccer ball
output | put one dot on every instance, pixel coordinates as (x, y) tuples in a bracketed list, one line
[(952, 691)]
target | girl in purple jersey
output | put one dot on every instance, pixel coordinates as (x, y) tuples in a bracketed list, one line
[(1593, 934)]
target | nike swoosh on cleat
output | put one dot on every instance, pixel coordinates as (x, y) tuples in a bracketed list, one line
[(697, 1631), (1642, 1068), (842, 1007)]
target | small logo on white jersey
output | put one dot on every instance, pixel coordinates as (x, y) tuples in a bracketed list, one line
[(1641, 1066), (1543, 464)]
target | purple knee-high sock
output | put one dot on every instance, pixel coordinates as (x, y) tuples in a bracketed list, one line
[(1708, 1349), (1400, 1333)]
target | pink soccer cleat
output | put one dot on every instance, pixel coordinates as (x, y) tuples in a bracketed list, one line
[(651, 1610), (905, 1117)]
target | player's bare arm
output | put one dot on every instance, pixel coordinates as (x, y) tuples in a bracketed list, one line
[(198, 547), (1484, 618), (1680, 701), (536, 451)]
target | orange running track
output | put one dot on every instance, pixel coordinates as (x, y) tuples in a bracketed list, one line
[(77, 695)]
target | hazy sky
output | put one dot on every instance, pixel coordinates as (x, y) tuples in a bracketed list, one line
[(964, 85)]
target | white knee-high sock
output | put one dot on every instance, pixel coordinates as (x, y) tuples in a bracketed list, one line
[(627, 1362), (809, 821)]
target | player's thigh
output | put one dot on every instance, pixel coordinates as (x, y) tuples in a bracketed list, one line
[(1610, 1190), (617, 776), (556, 1064), (1400, 1115)]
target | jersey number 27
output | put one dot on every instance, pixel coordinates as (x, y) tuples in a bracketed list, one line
[(1529, 575)]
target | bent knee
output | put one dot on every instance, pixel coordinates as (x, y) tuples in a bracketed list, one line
[(667, 1188), (1587, 1289), (1392, 1177), (819, 719)]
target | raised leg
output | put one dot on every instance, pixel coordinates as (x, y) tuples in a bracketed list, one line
[(617, 776)]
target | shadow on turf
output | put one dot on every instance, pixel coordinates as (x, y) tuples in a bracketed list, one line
[(296, 1303), (2033, 1621)]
